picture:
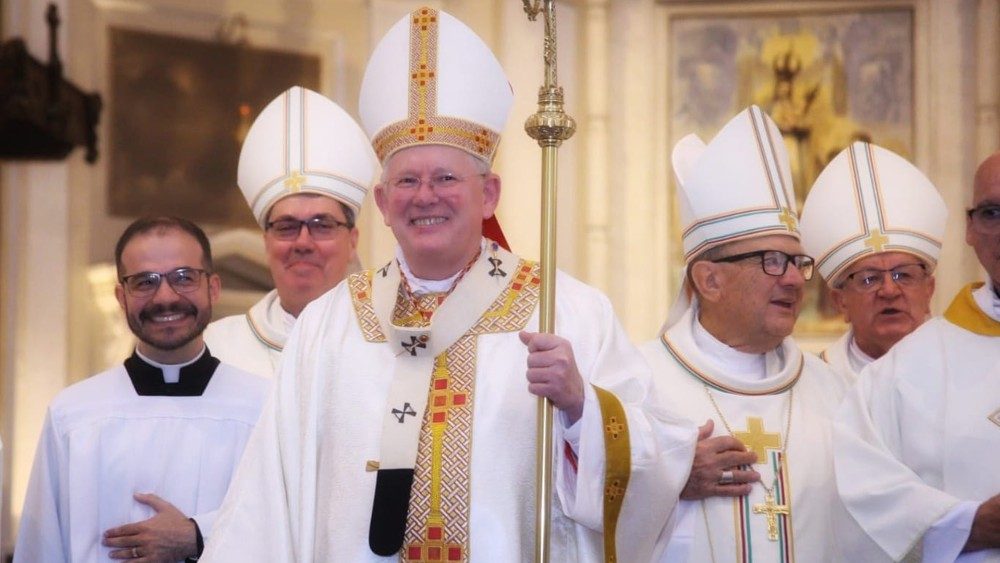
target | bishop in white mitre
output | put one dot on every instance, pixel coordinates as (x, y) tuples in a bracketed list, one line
[(919, 435), (874, 223), (404, 421), (305, 168), (726, 356)]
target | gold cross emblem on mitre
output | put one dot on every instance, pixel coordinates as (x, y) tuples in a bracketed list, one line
[(788, 219), (294, 181), (876, 241)]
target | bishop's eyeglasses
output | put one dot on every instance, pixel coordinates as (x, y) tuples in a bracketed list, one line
[(871, 279), (181, 280), (321, 227), (775, 262)]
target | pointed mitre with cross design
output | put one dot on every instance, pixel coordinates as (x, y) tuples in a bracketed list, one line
[(870, 200), (432, 80), (304, 143), (736, 187)]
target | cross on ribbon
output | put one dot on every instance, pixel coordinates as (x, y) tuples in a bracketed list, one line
[(496, 271), (413, 344), (401, 414)]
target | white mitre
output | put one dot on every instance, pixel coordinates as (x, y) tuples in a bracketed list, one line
[(432, 80), (738, 186), (870, 200), (304, 143)]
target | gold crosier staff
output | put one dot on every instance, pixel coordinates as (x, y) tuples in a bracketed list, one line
[(550, 126)]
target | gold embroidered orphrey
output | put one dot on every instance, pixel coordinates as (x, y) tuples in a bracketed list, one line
[(438, 521)]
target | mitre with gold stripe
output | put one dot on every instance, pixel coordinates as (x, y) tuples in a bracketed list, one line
[(304, 143), (870, 200), (737, 186), (432, 80)]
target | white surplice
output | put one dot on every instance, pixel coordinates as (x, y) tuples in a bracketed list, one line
[(102, 443), (303, 492), (253, 341), (691, 369), (920, 432)]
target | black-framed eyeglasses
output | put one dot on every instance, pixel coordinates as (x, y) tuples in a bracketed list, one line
[(775, 262), (181, 280), (872, 279), (321, 227), (985, 218)]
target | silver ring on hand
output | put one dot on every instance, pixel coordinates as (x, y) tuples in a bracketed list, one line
[(135, 553), (727, 477)]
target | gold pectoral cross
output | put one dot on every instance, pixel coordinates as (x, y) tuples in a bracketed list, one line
[(770, 509)]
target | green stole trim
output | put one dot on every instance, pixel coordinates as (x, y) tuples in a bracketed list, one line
[(617, 467), (965, 313)]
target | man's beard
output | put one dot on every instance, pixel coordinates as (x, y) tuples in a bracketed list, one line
[(173, 341)]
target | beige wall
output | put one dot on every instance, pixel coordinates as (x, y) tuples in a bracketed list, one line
[(614, 229)]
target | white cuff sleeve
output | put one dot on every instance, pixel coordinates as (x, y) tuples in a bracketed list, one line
[(943, 541)]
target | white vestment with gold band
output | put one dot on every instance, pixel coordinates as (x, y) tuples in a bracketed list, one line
[(784, 415), (253, 341), (305, 488), (920, 432)]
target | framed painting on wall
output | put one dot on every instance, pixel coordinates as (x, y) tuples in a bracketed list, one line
[(179, 110), (828, 74)]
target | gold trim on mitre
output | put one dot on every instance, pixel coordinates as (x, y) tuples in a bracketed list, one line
[(422, 125)]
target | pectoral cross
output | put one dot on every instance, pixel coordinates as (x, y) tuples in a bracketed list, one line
[(770, 509)]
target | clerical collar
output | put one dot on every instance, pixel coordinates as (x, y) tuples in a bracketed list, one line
[(987, 300), (856, 356), (421, 286), (150, 378), (725, 358)]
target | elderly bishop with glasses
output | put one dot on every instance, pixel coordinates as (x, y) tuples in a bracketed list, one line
[(134, 462), (874, 223), (918, 437), (761, 486)]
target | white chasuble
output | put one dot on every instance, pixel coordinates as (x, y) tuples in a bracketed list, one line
[(252, 341), (305, 489), (793, 513), (920, 431)]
